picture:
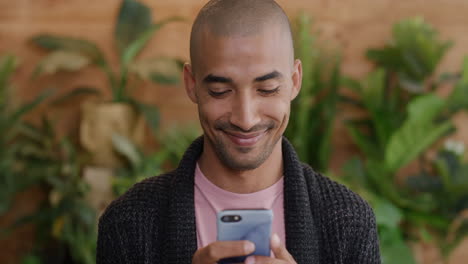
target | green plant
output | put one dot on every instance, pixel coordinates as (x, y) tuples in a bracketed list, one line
[(403, 118), (444, 180), (139, 166), (14, 177), (133, 30), (175, 141), (388, 216), (31, 156), (313, 111), (413, 54), (65, 223)]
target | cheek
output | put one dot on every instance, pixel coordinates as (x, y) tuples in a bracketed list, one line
[(211, 111), (277, 109)]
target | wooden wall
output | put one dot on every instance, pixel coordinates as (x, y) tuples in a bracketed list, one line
[(353, 26)]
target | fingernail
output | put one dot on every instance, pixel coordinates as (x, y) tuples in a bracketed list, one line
[(249, 247), (250, 260), (275, 240)]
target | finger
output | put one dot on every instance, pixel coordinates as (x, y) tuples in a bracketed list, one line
[(223, 249), (280, 250), (263, 260)]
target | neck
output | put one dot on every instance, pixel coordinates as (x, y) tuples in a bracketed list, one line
[(249, 181)]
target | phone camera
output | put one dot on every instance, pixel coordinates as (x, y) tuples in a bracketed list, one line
[(231, 218)]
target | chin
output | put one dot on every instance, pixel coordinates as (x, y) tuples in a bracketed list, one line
[(243, 158), (242, 165)]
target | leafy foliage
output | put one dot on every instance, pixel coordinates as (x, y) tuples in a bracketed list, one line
[(404, 118), (313, 111), (133, 30), (32, 155), (140, 166), (65, 219), (413, 54), (14, 177)]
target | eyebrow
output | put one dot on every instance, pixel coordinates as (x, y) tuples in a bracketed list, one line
[(210, 78), (268, 76)]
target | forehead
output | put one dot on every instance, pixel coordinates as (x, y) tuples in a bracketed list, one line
[(243, 55)]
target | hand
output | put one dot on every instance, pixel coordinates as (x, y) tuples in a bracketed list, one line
[(282, 255), (222, 249)]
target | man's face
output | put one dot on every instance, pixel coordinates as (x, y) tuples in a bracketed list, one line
[(243, 87)]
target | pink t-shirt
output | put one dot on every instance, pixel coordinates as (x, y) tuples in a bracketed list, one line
[(210, 199)]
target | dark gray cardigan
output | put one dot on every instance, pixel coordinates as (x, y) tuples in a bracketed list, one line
[(154, 222)]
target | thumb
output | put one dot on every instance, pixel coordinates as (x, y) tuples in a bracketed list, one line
[(280, 250)]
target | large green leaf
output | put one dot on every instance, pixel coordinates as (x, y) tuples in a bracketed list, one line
[(425, 109), (393, 248), (354, 85), (18, 113), (151, 114), (78, 91), (417, 133), (458, 99), (414, 53), (133, 19), (365, 143), (161, 70), (376, 104), (135, 47), (8, 64), (75, 45), (386, 213), (420, 46), (125, 147), (388, 57), (61, 60)]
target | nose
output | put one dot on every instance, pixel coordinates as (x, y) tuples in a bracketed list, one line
[(244, 112)]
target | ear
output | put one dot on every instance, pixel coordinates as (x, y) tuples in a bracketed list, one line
[(189, 82), (296, 78)]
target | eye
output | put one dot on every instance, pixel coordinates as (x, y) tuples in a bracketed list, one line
[(269, 91), (218, 94)]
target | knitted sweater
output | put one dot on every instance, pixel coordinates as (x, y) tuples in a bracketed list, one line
[(154, 222)]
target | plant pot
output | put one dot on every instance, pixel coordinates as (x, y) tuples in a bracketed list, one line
[(100, 194), (100, 121)]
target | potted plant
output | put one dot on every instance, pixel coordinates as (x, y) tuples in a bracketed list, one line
[(122, 113), (403, 119)]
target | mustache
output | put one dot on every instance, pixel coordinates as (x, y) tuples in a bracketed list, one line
[(228, 126)]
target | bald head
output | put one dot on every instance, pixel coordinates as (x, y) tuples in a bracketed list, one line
[(238, 18)]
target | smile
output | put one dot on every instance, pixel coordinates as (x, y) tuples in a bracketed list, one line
[(245, 140)]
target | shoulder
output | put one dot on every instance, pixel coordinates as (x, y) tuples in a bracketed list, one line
[(337, 203), (146, 197)]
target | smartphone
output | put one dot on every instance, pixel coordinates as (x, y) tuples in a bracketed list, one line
[(253, 225)]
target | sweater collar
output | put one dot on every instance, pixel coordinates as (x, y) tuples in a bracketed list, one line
[(301, 232)]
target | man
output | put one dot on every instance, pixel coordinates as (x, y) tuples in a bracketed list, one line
[(242, 77)]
